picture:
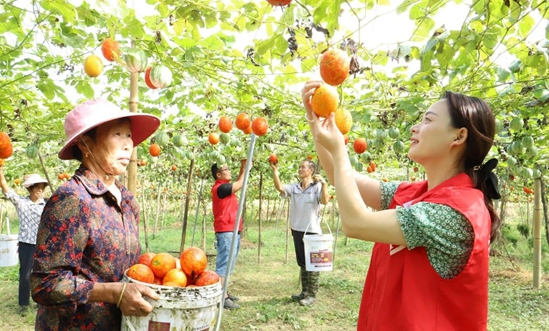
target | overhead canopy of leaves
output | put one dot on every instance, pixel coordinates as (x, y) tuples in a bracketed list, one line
[(238, 56)]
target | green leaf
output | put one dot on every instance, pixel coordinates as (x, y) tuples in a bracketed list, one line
[(425, 25), (416, 12), (525, 26), (308, 64), (429, 47), (179, 27), (265, 45), (65, 9), (542, 94), (281, 45), (403, 7), (211, 22), (502, 73)]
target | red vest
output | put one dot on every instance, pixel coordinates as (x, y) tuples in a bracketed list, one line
[(404, 293), (224, 210)]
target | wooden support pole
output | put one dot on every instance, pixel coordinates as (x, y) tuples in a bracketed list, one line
[(134, 100), (537, 233)]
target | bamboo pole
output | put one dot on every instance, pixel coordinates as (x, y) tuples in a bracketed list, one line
[(163, 210), (197, 209), (157, 210), (287, 230), (132, 167), (204, 227), (186, 210), (281, 208), (537, 233), (241, 209), (45, 172), (267, 209), (259, 216), (144, 220)]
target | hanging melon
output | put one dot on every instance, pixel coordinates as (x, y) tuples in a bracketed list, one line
[(136, 60), (161, 76)]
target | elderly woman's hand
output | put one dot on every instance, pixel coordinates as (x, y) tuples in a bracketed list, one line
[(132, 302)]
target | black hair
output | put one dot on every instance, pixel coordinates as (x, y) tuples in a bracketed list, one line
[(477, 117), (311, 164), (215, 170), (76, 151)]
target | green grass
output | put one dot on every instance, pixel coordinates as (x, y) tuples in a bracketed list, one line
[(266, 275)]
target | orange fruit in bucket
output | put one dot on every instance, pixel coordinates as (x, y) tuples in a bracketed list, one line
[(207, 277), (146, 258), (176, 276), (161, 263), (193, 262), (141, 272)]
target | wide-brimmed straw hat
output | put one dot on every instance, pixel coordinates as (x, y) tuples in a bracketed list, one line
[(32, 179), (90, 114)]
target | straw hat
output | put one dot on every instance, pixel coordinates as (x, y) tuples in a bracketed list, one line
[(90, 114), (32, 179)]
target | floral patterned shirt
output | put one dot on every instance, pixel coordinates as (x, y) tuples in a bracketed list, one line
[(446, 234), (29, 216), (84, 237)]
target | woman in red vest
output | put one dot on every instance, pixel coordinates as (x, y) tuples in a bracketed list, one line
[(429, 265)]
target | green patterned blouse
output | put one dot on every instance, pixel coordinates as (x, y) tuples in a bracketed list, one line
[(444, 232)]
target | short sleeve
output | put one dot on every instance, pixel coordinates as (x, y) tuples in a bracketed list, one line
[(445, 233), (13, 197), (287, 190), (224, 190), (388, 190)]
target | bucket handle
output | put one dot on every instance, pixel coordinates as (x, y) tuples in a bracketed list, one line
[(321, 218)]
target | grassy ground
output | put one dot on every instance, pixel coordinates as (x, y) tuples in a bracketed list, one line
[(264, 279)]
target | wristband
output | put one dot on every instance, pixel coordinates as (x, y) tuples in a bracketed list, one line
[(309, 120), (121, 295)]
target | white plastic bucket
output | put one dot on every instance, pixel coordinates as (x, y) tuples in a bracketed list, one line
[(318, 252), (8, 250), (178, 309)]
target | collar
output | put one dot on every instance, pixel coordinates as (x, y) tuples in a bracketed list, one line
[(221, 181), (461, 180), (310, 184), (40, 201), (92, 183)]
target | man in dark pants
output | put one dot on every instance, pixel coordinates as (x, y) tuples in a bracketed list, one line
[(306, 197), (29, 209)]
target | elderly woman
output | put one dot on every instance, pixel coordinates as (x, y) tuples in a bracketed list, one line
[(89, 231), (28, 209)]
